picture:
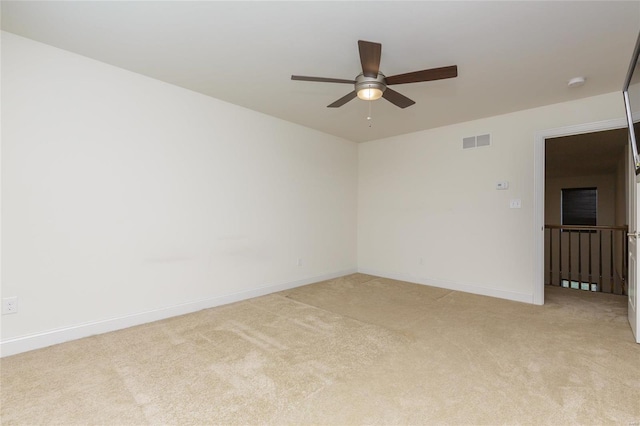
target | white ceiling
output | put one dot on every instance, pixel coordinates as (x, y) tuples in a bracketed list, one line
[(510, 55)]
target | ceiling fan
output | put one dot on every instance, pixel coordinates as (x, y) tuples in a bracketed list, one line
[(371, 84)]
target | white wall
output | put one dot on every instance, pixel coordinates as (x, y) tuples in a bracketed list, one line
[(125, 199), (622, 207), (422, 197)]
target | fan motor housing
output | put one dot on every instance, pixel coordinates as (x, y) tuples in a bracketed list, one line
[(364, 82)]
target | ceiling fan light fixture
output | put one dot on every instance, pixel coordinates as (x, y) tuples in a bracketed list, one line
[(370, 88), (369, 94)]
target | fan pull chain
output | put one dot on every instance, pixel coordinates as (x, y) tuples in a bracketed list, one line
[(369, 118)]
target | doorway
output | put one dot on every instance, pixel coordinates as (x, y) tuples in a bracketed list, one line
[(540, 143), (586, 211)]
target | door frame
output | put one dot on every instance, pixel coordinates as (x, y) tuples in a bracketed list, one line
[(539, 190), (632, 297)]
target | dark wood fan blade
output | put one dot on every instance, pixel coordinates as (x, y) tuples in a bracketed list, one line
[(322, 79), (343, 100), (396, 98), (424, 75), (370, 57)]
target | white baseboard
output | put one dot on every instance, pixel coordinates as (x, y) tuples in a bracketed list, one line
[(52, 337), (451, 285)]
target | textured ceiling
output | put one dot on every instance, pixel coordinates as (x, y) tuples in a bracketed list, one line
[(510, 55)]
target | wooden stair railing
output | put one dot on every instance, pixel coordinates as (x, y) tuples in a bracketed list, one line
[(590, 258)]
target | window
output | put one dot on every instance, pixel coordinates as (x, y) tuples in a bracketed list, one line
[(579, 206)]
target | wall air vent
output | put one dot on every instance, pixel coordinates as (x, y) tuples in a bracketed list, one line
[(468, 143), (476, 141)]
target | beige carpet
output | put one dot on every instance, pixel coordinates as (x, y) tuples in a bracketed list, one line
[(354, 350)]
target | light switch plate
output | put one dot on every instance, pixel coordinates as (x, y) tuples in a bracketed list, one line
[(502, 185), (9, 305)]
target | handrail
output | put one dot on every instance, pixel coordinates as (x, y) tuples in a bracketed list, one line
[(571, 257), (588, 228)]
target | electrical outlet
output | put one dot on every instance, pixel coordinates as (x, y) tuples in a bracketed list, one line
[(9, 305), (299, 261)]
